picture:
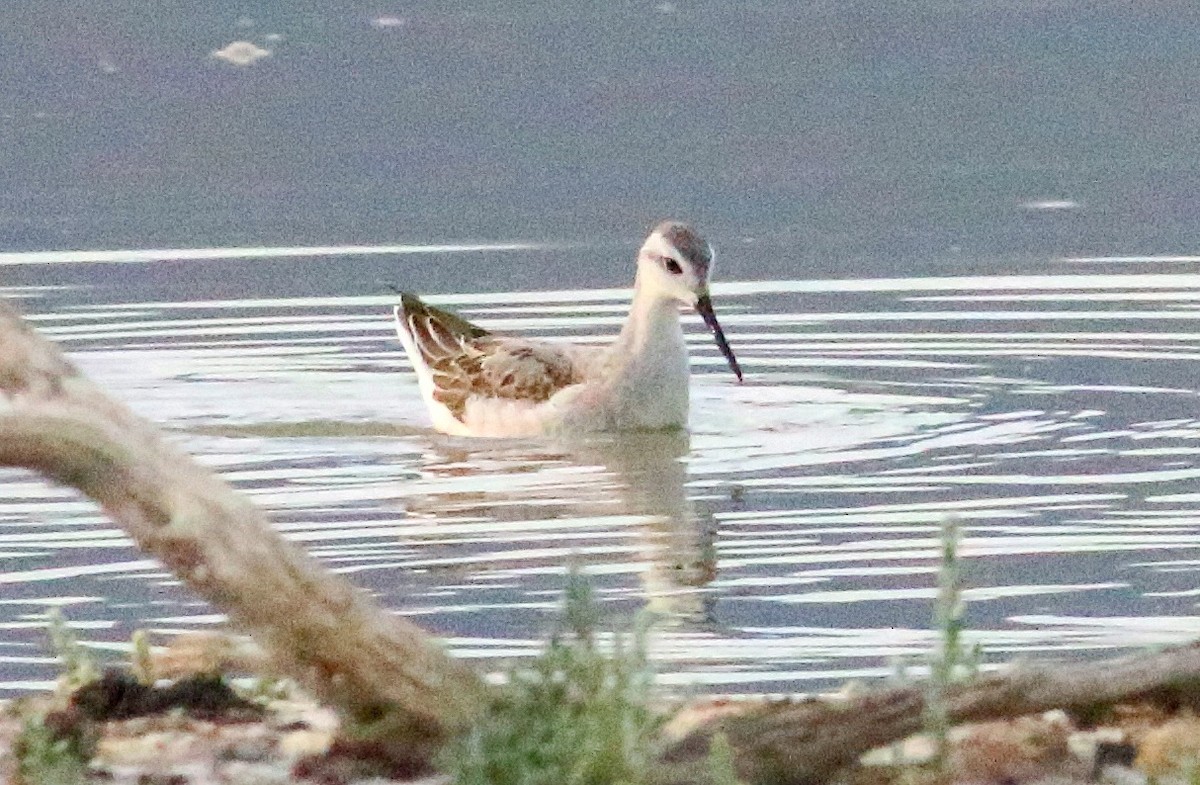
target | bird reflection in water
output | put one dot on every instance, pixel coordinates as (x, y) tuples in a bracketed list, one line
[(615, 504)]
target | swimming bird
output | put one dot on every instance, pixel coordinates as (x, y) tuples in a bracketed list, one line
[(477, 383)]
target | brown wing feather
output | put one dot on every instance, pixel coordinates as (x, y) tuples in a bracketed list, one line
[(467, 361)]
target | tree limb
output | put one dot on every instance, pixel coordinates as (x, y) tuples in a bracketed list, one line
[(804, 743), (376, 668)]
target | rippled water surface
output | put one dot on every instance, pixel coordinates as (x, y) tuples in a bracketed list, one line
[(791, 538)]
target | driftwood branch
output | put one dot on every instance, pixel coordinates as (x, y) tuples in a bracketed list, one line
[(378, 669), (804, 743)]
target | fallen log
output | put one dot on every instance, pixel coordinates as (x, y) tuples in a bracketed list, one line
[(385, 674), (804, 743)]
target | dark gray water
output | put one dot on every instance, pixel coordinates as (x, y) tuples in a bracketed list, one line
[(867, 138), (957, 255)]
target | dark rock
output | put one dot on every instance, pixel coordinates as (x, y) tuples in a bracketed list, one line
[(119, 696)]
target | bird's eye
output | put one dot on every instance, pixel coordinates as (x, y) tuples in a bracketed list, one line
[(672, 266)]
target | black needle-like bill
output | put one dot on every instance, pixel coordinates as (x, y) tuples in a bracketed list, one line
[(705, 309)]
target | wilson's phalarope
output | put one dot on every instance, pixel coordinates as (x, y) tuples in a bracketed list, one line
[(476, 383)]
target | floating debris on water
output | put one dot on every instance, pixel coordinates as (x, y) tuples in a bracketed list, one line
[(1050, 204), (241, 53)]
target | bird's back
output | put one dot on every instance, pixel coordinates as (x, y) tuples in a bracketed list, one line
[(478, 383)]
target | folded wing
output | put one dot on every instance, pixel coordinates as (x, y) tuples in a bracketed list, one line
[(466, 361)]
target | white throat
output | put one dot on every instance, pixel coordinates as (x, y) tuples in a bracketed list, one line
[(648, 363)]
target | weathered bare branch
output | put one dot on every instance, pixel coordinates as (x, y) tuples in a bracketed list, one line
[(804, 743), (375, 667)]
